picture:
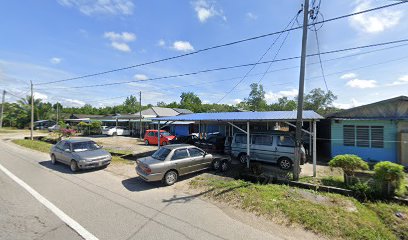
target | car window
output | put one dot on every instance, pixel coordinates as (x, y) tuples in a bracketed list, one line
[(66, 146), (285, 141), (151, 134), (85, 146), (262, 139), (195, 152), (241, 138), (60, 144), (180, 154), (161, 154), (165, 134)]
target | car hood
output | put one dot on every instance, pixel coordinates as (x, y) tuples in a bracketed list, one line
[(170, 137), (94, 154), (148, 161)]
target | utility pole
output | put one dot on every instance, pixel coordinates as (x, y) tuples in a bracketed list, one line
[(57, 112), (2, 108), (296, 165), (140, 115), (32, 111)]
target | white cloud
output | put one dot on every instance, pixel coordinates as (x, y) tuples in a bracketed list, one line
[(401, 81), (251, 15), (42, 96), (353, 103), (124, 36), (119, 40), (206, 9), (375, 22), (140, 77), (161, 43), (55, 60), (72, 102), (183, 46), (348, 76), (271, 96), (237, 100), (96, 7), (121, 47), (359, 83)]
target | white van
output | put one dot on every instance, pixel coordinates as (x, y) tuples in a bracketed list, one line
[(276, 147)]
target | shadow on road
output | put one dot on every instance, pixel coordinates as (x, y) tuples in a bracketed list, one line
[(137, 184), (60, 167)]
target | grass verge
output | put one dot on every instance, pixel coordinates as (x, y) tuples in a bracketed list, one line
[(331, 215), (45, 147)]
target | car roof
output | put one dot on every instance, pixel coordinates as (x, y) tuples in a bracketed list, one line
[(77, 140), (174, 146), (155, 130)]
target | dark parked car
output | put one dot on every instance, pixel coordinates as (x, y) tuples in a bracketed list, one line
[(190, 139), (213, 144), (80, 154)]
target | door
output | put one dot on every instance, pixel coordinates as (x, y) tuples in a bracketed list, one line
[(198, 159), (66, 154), (285, 147), (58, 150), (262, 148), (181, 161), (150, 138)]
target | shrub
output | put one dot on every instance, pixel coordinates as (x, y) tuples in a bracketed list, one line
[(349, 163), (68, 132), (389, 177), (363, 191)]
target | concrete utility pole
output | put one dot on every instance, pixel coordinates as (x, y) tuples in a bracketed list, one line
[(57, 112), (140, 115), (3, 99), (32, 111), (296, 165)]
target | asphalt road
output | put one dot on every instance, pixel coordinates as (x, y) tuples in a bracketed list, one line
[(107, 205)]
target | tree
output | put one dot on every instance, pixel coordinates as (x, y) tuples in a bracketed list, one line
[(283, 104), (319, 101), (191, 101), (131, 105), (256, 100)]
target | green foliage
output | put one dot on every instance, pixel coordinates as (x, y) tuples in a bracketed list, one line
[(319, 101), (349, 163), (363, 191), (256, 100), (34, 144), (190, 100), (389, 177)]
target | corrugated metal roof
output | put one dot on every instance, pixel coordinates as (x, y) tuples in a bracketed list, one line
[(242, 116)]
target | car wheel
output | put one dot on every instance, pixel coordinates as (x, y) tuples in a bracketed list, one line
[(224, 166), (115, 134), (170, 178), (146, 142), (216, 164), (164, 143), (285, 163), (53, 159), (73, 166), (242, 158)]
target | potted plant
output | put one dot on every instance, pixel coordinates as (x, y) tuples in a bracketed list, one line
[(389, 177), (349, 163)]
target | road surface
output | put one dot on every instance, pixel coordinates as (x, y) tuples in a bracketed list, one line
[(109, 206)]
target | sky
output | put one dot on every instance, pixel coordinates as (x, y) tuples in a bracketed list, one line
[(45, 41)]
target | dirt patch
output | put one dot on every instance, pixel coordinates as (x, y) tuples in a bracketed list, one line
[(124, 143), (320, 199)]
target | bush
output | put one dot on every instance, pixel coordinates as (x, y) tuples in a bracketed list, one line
[(389, 177), (67, 132), (349, 163), (363, 191)]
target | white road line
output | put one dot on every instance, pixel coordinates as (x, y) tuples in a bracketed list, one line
[(64, 217)]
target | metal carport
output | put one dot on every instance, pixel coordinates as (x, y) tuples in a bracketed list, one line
[(248, 117)]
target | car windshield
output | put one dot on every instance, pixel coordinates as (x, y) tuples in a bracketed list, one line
[(165, 134), (161, 154), (85, 146)]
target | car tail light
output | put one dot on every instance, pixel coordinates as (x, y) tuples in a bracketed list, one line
[(147, 170)]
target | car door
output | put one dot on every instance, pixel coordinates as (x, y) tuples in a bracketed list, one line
[(58, 150), (199, 160), (66, 154), (262, 148), (181, 161), (285, 146)]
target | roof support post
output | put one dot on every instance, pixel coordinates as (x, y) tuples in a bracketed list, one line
[(158, 134), (314, 148), (248, 145), (310, 136)]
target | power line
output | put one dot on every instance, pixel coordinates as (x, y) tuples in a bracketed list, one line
[(235, 66), (221, 45), (320, 58)]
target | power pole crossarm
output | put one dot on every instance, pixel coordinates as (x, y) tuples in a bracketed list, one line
[(296, 165)]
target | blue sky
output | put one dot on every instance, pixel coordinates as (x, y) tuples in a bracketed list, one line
[(53, 40)]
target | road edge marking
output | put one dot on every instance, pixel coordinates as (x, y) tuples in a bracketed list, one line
[(58, 212)]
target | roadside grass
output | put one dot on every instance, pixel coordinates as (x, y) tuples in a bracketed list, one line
[(45, 147), (328, 214), (333, 181)]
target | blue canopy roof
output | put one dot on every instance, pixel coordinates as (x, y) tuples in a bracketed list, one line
[(243, 116)]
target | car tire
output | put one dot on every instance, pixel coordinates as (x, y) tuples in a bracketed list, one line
[(146, 142), (242, 158), (285, 163), (73, 166), (115, 134), (224, 166), (216, 164), (170, 178), (53, 159), (164, 143)]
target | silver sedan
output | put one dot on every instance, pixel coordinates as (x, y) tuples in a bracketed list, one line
[(80, 154), (171, 161)]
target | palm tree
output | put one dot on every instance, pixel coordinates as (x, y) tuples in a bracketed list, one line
[(25, 103)]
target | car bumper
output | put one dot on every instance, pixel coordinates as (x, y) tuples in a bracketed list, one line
[(94, 164), (149, 177)]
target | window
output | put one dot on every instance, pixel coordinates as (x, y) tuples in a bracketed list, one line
[(66, 146), (262, 139), (240, 138), (195, 152), (286, 141), (150, 134), (161, 154), (349, 135), (363, 136), (180, 154), (377, 137)]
